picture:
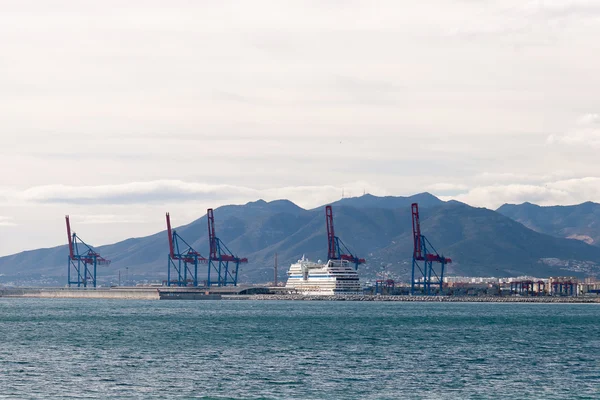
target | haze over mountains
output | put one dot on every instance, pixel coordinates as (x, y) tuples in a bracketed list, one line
[(515, 240)]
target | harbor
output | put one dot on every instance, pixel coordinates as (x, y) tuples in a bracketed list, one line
[(256, 293), (335, 279)]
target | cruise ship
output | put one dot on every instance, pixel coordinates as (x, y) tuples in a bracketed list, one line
[(334, 278)]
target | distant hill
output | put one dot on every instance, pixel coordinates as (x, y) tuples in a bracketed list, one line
[(480, 241), (391, 202), (483, 242), (581, 222)]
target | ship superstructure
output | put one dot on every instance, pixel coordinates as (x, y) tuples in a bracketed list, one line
[(336, 277)]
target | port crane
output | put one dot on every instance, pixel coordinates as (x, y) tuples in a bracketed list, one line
[(335, 244), (424, 257), (220, 258), (183, 260), (83, 260)]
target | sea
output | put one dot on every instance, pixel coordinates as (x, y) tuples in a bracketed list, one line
[(126, 349)]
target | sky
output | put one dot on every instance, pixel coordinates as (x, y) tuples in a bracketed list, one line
[(115, 112)]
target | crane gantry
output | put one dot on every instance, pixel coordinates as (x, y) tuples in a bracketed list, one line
[(183, 259), (220, 258), (424, 257), (335, 244), (83, 260)]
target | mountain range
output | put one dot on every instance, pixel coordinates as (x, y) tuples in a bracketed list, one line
[(581, 222), (512, 241)]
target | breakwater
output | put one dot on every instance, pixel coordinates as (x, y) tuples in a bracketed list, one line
[(449, 299)]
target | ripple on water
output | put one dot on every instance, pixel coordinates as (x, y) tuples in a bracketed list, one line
[(55, 348)]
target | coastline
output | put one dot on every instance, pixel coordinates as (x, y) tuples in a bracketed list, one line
[(202, 294), (438, 299)]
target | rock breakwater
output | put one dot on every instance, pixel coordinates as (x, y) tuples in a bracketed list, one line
[(449, 299)]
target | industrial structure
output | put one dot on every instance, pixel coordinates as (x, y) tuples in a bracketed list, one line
[(525, 286), (83, 261), (220, 257), (183, 260), (553, 286), (334, 243), (528, 287), (424, 256), (384, 286), (563, 286)]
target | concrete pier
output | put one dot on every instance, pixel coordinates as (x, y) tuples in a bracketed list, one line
[(81, 293), (135, 293)]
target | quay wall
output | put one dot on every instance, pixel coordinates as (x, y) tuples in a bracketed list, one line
[(71, 293)]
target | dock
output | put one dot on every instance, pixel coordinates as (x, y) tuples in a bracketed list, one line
[(138, 292)]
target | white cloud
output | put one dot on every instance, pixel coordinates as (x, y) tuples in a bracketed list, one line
[(165, 191), (129, 193), (503, 178), (561, 192), (589, 119), (446, 187), (7, 221), (586, 133), (99, 219)]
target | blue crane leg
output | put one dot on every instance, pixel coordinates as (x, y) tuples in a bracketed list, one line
[(412, 278), (79, 280), (226, 273), (442, 277), (196, 271), (429, 278), (179, 274), (185, 273), (220, 267), (169, 270), (235, 279)]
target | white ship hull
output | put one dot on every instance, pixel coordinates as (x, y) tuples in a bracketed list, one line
[(337, 277)]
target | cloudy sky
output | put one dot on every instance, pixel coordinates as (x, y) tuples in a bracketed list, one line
[(117, 111)]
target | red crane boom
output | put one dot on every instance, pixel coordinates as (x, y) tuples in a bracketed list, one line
[(416, 223), (418, 240), (170, 233), (211, 234), (335, 245), (71, 252), (332, 248)]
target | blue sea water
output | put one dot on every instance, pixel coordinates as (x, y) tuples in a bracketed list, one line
[(53, 348)]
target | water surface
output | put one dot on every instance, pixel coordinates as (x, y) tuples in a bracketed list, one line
[(54, 348)]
